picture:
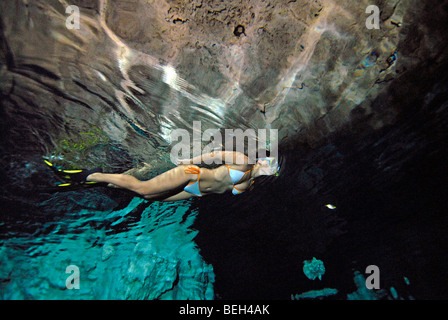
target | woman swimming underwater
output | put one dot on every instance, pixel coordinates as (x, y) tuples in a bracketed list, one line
[(187, 180)]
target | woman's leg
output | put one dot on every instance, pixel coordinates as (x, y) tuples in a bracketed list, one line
[(164, 186)]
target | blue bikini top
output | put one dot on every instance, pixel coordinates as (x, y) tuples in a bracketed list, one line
[(236, 176)]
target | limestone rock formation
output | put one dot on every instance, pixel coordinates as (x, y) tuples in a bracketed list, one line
[(139, 69)]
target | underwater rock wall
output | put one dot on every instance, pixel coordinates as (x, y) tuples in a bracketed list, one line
[(153, 258)]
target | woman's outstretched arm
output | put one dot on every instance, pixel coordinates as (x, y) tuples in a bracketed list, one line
[(218, 157)]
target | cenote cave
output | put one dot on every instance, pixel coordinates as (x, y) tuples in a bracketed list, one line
[(361, 121)]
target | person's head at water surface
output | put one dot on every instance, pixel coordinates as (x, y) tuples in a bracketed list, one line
[(267, 166)]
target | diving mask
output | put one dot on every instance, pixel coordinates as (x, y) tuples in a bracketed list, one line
[(270, 163)]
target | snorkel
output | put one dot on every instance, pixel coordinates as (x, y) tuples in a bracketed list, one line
[(272, 166)]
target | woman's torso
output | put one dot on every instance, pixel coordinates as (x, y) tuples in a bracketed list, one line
[(218, 180)]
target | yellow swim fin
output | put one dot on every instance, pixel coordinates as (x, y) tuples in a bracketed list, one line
[(75, 177)]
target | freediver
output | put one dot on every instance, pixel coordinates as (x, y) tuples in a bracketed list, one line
[(186, 180)]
